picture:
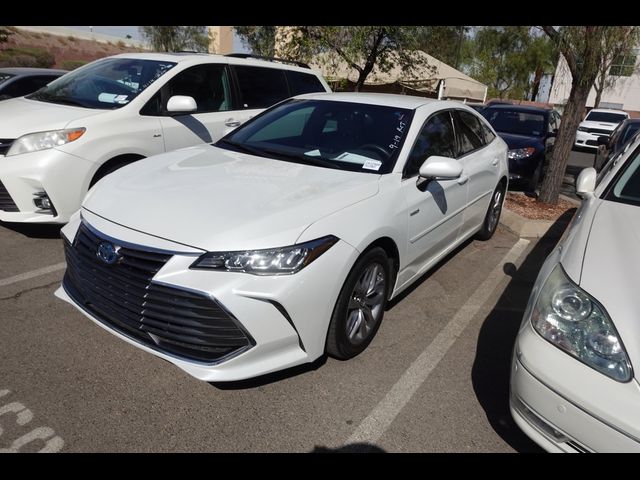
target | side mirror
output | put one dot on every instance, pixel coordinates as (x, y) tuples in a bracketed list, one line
[(586, 182), (441, 167), (181, 104), (602, 140)]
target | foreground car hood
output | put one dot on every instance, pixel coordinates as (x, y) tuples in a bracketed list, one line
[(610, 270), (215, 199), (19, 116), (602, 125)]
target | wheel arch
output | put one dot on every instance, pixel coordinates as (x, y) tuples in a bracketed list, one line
[(113, 164)]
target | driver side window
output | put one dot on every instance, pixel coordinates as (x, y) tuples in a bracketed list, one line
[(207, 84), (436, 138)]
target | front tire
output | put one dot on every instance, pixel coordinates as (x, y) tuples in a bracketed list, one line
[(492, 217), (360, 306)]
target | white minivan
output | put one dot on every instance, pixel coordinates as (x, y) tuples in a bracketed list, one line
[(59, 141)]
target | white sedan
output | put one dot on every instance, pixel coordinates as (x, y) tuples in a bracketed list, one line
[(573, 386), (286, 238)]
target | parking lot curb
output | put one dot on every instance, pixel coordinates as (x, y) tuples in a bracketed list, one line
[(527, 228)]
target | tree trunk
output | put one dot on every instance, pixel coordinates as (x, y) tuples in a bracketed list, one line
[(550, 189), (535, 86), (599, 89)]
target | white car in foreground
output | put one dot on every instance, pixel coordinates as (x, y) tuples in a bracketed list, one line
[(287, 237), (573, 385), (599, 122)]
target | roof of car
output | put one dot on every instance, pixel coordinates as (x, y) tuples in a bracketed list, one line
[(520, 108), (385, 99), (25, 71), (608, 110), (196, 58)]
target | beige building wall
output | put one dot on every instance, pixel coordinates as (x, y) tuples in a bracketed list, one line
[(221, 40), (624, 94)]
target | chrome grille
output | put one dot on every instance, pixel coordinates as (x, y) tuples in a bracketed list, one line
[(167, 319)]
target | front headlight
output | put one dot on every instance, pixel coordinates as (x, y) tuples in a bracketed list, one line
[(520, 153), (276, 261), (34, 142), (575, 322), (583, 129)]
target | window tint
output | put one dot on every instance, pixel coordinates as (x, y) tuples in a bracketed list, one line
[(435, 138), (207, 84), (469, 132), (261, 87), (300, 83)]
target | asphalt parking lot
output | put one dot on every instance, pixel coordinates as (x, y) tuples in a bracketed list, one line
[(435, 379)]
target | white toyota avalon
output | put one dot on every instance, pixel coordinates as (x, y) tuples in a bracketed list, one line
[(286, 238), (573, 385)]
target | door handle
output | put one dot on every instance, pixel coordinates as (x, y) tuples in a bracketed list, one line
[(495, 161), (230, 122), (463, 180)]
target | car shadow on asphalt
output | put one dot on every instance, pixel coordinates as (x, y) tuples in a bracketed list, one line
[(492, 364), (34, 230)]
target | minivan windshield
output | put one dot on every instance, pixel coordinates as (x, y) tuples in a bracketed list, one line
[(332, 134), (105, 84), (605, 117)]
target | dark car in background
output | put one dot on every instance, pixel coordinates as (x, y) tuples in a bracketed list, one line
[(18, 82), (610, 147), (530, 134)]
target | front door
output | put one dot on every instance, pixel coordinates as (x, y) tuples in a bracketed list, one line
[(435, 208)]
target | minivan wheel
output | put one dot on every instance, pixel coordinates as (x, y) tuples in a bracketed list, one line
[(360, 305), (493, 214)]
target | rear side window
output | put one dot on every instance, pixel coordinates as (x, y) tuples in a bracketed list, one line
[(261, 87), (435, 138), (469, 132), (300, 83)]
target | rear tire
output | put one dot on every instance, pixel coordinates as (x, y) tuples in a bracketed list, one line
[(359, 309), (492, 217)]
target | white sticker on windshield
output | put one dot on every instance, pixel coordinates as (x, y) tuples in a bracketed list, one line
[(121, 99), (372, 165), (107, 97), (313, 153)]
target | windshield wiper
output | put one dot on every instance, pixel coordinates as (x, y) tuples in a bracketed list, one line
[(308, 159), (61, 100), (243, 148)]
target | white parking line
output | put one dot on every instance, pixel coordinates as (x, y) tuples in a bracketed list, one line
[(32, 274), (381, 417)]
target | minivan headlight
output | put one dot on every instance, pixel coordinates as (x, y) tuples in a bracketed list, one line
[(276, 261), (34, 142), (575, 322)]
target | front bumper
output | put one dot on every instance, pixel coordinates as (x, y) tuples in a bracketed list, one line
[(588, 140), (286, 316), (565, 406), (62, 176)]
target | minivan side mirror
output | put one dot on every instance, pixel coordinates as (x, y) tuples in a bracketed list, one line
[(181, 104), (586, 182), (444, 168)]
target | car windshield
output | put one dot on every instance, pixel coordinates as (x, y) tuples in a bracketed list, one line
[(626, 186), (105, 84), (514, 121), (605, 117), (5, 76), (333, 134)]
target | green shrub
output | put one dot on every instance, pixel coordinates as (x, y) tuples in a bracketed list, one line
[(72, 64), (26, 57)]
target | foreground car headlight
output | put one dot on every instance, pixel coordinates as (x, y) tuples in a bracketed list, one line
[(575, 322), (520, 153), (276, 261), (34, 142)]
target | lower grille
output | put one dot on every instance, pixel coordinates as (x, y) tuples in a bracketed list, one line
[(167, 319), (6, 202)]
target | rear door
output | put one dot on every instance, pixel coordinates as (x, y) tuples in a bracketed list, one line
[(210, 86), (480, 164)]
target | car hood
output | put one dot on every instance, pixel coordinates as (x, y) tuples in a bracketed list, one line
[(610, 270), (215, 199), (521, 141), (19, 116), (602, 125)]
